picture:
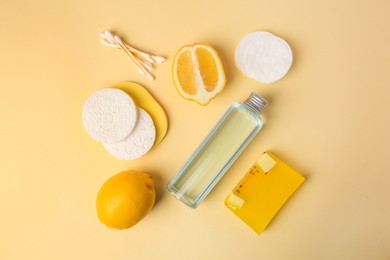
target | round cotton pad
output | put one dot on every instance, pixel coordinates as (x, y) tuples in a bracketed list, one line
[(138, 143), (268, 59), (244, 45), (109, 115)]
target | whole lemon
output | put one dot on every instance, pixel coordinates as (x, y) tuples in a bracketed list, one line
[(125, 199)]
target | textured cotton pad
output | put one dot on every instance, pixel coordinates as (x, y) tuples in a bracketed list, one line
[(138, 143), (242, 49), (268, 59), (109, 115)]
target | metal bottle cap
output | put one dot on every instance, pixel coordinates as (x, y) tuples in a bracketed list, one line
[(256, 101)]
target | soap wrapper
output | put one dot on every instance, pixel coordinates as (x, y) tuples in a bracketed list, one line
[(263, 190)]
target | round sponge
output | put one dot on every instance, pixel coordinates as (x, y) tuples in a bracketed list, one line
[(138, 143), (109, 115), (144, 99)]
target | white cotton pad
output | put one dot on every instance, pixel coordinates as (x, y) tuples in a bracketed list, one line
[(264, 57), (268, 59), (109, 115), (243, 46), (138, 143)]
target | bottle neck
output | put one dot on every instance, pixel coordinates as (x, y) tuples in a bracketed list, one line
[(257, 102)]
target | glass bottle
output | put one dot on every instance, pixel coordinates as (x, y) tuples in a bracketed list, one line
[(218, 151)]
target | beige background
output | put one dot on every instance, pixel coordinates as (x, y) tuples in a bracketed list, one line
[(328, 118)]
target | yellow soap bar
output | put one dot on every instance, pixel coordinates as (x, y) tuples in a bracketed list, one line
[(262, 192)]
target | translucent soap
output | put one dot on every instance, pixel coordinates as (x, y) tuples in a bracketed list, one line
[(263, 190)]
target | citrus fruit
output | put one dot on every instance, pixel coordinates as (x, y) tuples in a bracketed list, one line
[(125, 199), (198, 73)]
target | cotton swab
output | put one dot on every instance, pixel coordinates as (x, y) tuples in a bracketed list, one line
[(144, 61), (149, 57), (136, 61)]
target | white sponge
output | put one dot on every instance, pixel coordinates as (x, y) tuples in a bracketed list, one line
[(263, 57), (138, 143), (109, 115)]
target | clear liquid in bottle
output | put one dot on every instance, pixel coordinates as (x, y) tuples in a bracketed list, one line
[(218, 151)]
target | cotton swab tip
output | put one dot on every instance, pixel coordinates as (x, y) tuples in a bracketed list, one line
[(159, 59), (150, 76), (105, 42), (102, 34), (148, 66), (141, 71), (110, 44), (116, 38), (144, 56), (108, 34)]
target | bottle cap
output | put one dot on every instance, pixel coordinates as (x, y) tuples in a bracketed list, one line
[(256, 101)]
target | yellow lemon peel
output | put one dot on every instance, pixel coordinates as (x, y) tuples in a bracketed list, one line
[(125, 199)]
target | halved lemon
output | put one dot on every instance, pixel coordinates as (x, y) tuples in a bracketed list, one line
[(198, 73)]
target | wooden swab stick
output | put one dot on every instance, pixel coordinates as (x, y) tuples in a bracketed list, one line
[(135, 60), (145, 55), (148, 65), (151, 58)]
